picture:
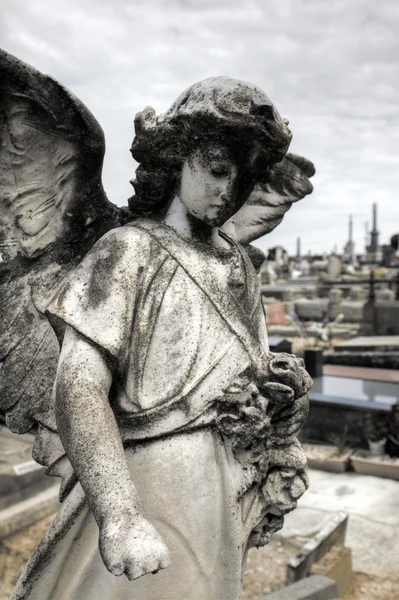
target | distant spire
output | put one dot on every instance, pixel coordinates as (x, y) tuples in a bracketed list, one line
[(349, 249), (374, 216), (298, 248), (373, 247)]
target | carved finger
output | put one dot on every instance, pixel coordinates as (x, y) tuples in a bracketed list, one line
[(133, 571), (116, 568), (164, 562)]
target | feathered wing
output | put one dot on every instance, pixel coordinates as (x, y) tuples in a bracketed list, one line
[(51, 159), (268, 203), (51, 201)]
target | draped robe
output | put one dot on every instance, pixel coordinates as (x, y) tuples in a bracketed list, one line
[(179, 322)]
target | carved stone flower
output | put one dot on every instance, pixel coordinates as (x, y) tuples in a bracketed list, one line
[(242, 413), (282, 376), (282, 489)]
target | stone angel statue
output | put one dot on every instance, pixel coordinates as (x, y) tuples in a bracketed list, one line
[(133, 340)]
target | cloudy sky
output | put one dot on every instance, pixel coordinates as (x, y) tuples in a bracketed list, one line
[(330, 66)]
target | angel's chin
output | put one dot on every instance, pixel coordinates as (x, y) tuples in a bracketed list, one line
[(214, 221)]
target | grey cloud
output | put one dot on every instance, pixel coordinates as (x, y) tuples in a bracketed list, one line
[(332, 68)]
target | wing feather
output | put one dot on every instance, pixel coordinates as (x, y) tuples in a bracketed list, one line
[(268, 203), (53, 209), (51, 156)]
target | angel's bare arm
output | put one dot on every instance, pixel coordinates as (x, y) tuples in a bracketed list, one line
[(88, 430)]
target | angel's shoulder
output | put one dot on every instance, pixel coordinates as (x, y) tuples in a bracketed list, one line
[(127, 241)]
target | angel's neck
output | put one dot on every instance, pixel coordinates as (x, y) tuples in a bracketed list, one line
[(191, 228)]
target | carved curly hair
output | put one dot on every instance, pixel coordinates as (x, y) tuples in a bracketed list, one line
[(219, 109)]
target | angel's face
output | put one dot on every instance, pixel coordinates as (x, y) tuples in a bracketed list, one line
[(211, 185)]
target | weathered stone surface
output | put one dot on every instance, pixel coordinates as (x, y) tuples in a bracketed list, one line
[(275, 314), (334, 267), (352, 310), (18, 516), (332, 534), (315, 587), (334, 303), (20, 476), (169, 414), (311, 310), (387, 317), (357, 293), (384, 295), (337, 565), (373, 526)]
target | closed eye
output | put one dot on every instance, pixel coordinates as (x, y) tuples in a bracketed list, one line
[(219, 169)]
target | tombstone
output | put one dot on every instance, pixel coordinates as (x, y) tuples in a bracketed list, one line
[(384, 295), (288, 295), (288, 299), (356, 293), (279, 344), (311, 293), (334, 303), (311, 310), (334, 267), (304, 266)]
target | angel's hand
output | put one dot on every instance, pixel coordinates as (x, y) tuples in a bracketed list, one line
[(131, 545)]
